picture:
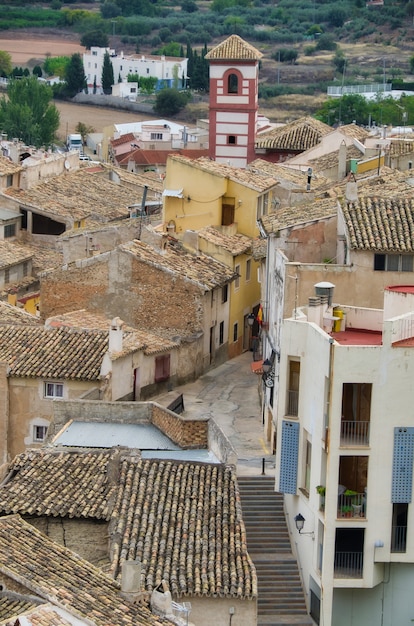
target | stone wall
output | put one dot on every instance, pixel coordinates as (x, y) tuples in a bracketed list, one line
[(88, 538), (98, 411), (185, 433)]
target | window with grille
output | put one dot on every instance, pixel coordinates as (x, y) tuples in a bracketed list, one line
[(9, 230)]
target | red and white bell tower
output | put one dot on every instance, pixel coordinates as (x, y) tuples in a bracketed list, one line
[(234, 79)]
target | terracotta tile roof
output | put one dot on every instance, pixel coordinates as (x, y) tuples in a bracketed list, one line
[(235, 244), (8, 167), (158, 513), (234, 48), (77, 195), (59, 484), (157, 157), (63, 353), (119, 141), (401, 147), (61, 576), (170, 531), (299, 135), (12, 604), (287, 175), (200, 269), (257, 182), (13, 253), (354, 131), (133, 339), (306, 212), (44, 615), (151, 180), (14, 315), (331, 159), (259, 249), (380, 224)]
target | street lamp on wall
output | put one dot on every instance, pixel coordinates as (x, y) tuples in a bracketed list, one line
[(300, 522), (250, 319)]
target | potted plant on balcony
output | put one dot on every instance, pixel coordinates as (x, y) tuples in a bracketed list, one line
[(346, 510), (356, 505), (321, 489)]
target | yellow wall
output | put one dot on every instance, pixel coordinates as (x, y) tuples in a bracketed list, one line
[(203, 194), (370, 164), (242, 300)]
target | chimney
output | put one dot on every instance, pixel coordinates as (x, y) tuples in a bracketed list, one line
[(324, 290), (131, 577), (115, 335)]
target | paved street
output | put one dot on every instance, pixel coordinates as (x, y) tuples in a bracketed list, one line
[(230, 395)]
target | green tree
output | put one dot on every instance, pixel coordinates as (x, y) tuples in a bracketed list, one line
[(6, 66), (37, 71), (56, 66), (107, 74), (83, 130), (147, 84), (286, 55), (169, 102), (347, 109), (325, 42), (339, 61), (95, 38), (27, 112), (75, 76)]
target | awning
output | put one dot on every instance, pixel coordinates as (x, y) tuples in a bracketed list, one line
[(257, 367), (173, 193)]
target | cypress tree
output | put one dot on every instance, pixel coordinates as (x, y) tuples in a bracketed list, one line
[(107, 74)]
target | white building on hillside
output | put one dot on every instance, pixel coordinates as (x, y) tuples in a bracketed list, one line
[(345, 455), (169, 71)]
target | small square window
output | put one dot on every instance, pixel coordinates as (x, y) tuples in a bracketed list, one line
[(39, 433), (231, 139), (53, 390)]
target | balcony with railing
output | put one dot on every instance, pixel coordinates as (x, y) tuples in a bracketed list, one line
[(348, 564), (351, 505), (354, 434), (292, 403), (399, 539)]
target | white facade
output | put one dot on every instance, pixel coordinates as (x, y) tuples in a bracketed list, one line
[(169, 71), (344, 421)]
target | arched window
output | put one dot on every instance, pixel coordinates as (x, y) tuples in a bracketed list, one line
[(233, 83)]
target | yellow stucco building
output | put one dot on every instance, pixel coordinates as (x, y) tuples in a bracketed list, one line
[(200, 193)]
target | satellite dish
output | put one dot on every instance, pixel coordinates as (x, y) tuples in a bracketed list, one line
[(67, 165)]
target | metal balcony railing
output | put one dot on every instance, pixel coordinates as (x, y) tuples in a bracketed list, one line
[(399, 539), (354, 433), (352, 505), (292, 403), (348, 564)]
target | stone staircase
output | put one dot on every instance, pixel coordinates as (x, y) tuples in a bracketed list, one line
[(281, 599)]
